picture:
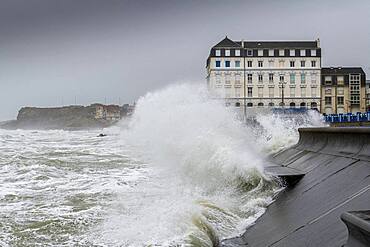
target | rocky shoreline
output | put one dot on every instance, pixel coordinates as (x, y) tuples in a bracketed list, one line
[(66, 118)]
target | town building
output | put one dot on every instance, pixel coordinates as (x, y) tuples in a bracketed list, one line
[(343, 90), (368, 95), (266, 73), (109, 113)]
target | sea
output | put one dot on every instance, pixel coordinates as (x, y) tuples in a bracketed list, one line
[(183, 170)]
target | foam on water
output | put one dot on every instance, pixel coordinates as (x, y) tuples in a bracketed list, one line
[(183, 171), (207, 181)]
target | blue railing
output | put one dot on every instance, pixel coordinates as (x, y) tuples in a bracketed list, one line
[(348, 117)]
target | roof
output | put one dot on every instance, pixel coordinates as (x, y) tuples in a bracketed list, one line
[(226, 42), (280, 44), (341, 70)]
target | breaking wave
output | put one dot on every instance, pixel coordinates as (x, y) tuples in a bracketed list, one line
[(206, 171)]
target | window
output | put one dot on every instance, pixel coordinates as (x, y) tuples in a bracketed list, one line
[(227, 64), (271, 92), (237, 104), (250, 92), (237, 78), (340, 100), (292, 105), (237, 63), (271, 53), (292, 53), (313, 78), (237, 92), (271, 77), (303, 63), (340, 80), (281, 63), (260, 63), (281, 52), (327, 100), (328, 91), (313, 53), (292, 92), (340, 91), (237, 53), (249, 64), (218, 79), (303, 78), (313, 105), (313, 64), (249, 76), (249, 104), (313, 91), (292, 78), (249, 53), (354, 86), (227, 79), (260, 53), (303, 53), (260, 78), (355, 99), (303, 105), (327, 80), (218, 53), (218, 64), (271, 104), (227, 53), (260, 104), (281, 78), (291, 64), (303, 92), (260, 92)]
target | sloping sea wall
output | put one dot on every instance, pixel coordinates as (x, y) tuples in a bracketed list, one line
[(336, 164)]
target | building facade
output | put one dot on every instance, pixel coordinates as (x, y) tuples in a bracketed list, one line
[(266, 73), (107, 112), (368, 95), (343, 90)]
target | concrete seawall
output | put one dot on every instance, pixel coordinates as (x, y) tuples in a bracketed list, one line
[(336, 167)]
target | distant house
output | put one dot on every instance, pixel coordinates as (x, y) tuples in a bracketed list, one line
[(107, 112), (343, 90), (368, 95), (127, 109), (99, 111), (112, 113)]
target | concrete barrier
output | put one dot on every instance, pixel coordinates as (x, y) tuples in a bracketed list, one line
[(336, 164)]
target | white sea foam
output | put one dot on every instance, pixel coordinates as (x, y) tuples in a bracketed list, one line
[(183, 171)]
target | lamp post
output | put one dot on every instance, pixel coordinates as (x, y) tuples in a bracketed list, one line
[(282, 83)]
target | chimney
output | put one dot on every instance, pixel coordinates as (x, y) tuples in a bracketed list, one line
[(318, 42)]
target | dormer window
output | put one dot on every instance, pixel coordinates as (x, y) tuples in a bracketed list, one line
[(292, 53), (237, 53), (260, 53), (249, 53), (271, 53), (313, 53), (218, 53), (303, 53), (281, 52), (227, 53)]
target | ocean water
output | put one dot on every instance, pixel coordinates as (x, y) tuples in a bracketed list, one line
[(183, 171)]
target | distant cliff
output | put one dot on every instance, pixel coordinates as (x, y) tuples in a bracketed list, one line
[(68, 117)]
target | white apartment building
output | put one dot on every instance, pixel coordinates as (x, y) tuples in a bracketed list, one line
[(266, 73)]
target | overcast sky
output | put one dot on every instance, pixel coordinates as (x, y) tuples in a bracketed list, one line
[(56, 51)]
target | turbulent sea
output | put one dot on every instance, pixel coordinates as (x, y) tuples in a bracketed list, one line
[(183, 171)]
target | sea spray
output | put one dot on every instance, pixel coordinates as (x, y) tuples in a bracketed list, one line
[(183, 172), (207, 177)]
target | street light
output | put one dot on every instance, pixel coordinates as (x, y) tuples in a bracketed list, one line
[(282, 83)]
